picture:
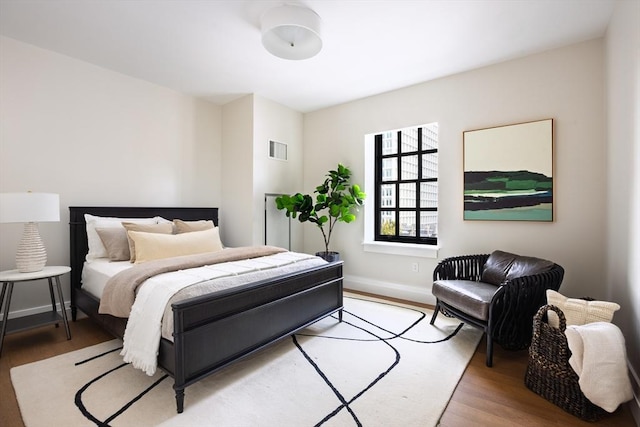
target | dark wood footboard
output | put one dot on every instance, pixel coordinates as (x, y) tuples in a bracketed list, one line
[(212, 331)]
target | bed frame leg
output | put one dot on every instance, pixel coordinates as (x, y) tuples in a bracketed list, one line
[(180, 400), (74, 313), (340, 315)]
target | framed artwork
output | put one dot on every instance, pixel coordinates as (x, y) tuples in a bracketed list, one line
[(508, 172)]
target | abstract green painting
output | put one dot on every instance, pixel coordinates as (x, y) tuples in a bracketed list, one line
[(508, 172)]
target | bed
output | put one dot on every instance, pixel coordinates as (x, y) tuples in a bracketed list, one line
[(214, 330)]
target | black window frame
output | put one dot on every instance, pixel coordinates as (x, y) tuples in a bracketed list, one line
[(379, 182)]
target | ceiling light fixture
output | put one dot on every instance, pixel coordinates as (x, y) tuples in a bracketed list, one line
[(291, 32)]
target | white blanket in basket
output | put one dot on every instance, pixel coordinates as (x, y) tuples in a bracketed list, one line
[(599, 359)]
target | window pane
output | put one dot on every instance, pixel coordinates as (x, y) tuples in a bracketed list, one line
[(430, 165), (387, 223), (428, 224), (389, 143), (408, 224), (430, 136), (428, 194), (409, 167), (409, 140), (407, 185), (388, 196), (390, 169), (408, 195)]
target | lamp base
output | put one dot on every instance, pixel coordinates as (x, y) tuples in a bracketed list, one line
[(31, 255)]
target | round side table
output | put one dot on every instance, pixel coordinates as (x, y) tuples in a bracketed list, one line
[(9, 278)]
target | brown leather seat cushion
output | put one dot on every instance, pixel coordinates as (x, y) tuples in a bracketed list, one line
[(471, 297)]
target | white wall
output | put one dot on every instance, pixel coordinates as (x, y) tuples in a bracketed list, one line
[(565, 84), (237, 172), (248, 125), (623, 189), (273, 121), (97, 138)]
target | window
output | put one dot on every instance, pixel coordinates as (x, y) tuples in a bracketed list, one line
[(406, 185)]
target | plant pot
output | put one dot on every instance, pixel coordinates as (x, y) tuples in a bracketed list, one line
[(329, 256)]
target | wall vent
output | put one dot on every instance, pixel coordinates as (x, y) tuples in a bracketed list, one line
[(277, 150)]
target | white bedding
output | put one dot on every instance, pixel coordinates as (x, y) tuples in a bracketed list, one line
[(96, 273)]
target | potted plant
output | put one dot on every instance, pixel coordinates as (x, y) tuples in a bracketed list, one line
[(336, 200)]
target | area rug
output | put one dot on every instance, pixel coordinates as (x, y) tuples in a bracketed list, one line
[(384, 365)]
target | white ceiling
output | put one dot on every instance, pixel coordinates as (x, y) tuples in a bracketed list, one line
[(212, 49)]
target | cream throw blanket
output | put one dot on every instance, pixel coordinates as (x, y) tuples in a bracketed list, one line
[(599, 359)]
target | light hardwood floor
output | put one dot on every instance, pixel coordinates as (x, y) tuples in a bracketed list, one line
[(484, 397)]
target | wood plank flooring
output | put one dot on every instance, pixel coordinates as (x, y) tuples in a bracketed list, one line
[(484, 397), (498, 397)]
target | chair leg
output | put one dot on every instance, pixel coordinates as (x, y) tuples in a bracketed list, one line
[(489, 350), (436, 310)]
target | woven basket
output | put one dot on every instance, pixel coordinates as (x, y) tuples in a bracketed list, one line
[(549, 373)]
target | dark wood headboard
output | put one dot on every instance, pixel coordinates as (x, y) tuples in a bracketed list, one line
[(78, 227)]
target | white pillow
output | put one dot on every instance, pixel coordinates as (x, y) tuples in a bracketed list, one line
[(96, 247), (579, 311), (152, 246), (162, 220)]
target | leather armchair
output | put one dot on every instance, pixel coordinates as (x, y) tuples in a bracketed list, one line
[(499, 293)]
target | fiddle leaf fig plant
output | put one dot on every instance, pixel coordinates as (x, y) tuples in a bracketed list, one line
[(336, 200)]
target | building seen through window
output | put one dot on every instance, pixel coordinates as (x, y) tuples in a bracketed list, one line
[(406, 179)]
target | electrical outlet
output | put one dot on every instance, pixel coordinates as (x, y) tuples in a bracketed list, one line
[(415, 267)]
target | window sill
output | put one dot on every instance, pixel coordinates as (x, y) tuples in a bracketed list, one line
[(406, 249)]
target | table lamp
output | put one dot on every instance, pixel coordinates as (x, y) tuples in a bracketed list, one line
[(30, 208)]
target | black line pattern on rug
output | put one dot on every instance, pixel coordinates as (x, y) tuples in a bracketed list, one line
[(79, 393), (97, 356), (135, 399), (400, 335), (344, 403)]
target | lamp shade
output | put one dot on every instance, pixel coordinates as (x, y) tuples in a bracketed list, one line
[(29, 207), (291, 32)]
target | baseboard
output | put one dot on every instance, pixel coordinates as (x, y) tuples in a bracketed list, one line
[(389, 289), (37, 310)]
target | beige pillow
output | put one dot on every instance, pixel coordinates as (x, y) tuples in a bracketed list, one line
[(579, 311), (115, 242), (181, 226), (162, 228), (152, 246)]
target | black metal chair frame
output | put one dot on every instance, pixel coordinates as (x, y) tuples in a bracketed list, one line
[(512, 307)]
